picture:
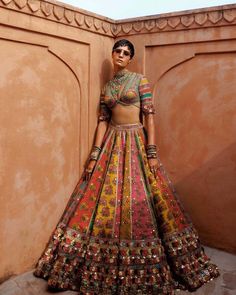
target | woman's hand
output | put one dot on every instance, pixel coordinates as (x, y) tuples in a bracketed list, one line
[(100, 132), (89, 169), (153, 164)]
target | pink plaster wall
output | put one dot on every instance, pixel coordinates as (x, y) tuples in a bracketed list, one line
[(197, 127), (50, 80), (54, 60), (193, 73)]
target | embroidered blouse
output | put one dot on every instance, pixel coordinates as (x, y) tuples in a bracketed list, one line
[(126, 88)]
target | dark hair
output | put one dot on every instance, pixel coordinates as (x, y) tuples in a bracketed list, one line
[(124, 42)]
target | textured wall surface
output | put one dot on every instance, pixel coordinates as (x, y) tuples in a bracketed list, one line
[(50, 80), (54, 60), (193, 73)]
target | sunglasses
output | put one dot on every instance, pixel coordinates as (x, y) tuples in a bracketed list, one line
[(118, 51)]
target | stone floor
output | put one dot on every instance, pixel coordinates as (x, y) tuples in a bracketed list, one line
[(27, 284)]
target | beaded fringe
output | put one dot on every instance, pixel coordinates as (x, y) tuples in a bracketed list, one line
[(104, 266)]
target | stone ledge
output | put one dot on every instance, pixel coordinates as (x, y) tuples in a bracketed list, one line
[(85, 20)]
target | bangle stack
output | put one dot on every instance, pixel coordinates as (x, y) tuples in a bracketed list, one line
[(151, 150), (95, 153)]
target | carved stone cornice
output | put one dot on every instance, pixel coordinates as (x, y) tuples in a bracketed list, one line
[(85, 20), (189, 19), (62, 13)]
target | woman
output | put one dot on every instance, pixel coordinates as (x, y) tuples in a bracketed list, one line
[(124, 230)]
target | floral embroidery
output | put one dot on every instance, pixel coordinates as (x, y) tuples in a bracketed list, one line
[(125, 232)]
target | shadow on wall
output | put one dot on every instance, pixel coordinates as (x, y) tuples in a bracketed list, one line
[(212, 223), (196, 136), (105, 74)]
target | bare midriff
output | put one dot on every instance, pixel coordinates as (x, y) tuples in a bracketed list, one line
[(125, 114)]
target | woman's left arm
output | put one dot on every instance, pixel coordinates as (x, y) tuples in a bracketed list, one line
[(148, 111), (150, 125)]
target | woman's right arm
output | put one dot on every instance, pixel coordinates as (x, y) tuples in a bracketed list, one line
[(103, 119), (100, 132)]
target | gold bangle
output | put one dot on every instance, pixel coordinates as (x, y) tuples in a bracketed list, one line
[(95, 153)]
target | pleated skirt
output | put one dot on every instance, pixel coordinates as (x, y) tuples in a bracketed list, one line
[(125, 231)]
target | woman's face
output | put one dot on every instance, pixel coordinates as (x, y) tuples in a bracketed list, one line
[(121, 57)]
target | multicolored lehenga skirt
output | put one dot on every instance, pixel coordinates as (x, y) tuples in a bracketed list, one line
[(125, 231)]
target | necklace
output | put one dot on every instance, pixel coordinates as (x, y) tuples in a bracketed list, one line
[(120, 74), (117, 82)]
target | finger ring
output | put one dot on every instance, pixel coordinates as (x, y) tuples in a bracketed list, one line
[(88, 170)]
